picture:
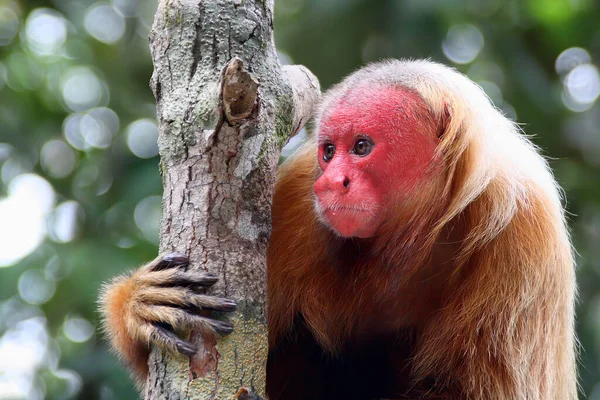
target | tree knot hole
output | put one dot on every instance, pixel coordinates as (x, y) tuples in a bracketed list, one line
[(239, 92)]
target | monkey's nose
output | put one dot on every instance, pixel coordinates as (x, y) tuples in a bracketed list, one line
[(340, 182), (333, 183)]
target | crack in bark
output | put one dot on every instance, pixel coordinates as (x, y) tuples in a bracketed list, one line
[(215, 55), (196, 49), (229, 40), (157, 90), (252, 35), (187, 387)]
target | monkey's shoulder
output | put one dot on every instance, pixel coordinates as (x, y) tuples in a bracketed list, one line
[(293, 200), (296, 227)]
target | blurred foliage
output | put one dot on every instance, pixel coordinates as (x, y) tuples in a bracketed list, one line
[(79, 182)]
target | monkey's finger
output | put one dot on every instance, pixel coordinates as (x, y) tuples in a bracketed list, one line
[(185, 298), (168, 339), (166, 261), (192, 279), (156, 333), (175, 277), (182, 319)]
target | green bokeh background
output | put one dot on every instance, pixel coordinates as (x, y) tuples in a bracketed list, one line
[(74, 89)]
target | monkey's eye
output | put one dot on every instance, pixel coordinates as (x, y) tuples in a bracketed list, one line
[(328, 152), (362, 147)]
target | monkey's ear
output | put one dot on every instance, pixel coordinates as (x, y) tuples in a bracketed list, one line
[(444, 121)]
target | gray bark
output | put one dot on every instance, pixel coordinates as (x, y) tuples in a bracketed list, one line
[(225, 109)]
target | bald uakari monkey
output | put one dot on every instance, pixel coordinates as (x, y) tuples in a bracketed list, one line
[(419, 250)]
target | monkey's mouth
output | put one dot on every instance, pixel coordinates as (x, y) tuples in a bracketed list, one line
[(338, 210), (348, 220), (343, 209), (335, 208)]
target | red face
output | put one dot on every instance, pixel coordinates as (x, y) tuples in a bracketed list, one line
[(374, 147)]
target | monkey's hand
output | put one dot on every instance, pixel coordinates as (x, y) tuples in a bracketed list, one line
[(155, 301)]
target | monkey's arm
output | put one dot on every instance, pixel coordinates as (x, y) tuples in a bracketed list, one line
[(155, 301), (507, 333), (296, 244)]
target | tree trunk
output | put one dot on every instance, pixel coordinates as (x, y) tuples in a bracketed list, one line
[(225, 109)]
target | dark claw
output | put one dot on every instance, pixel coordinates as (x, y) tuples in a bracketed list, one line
[(225, 305), (186, 349), (195, 282), (172, 260), (223, 328), (207, 279), (166, 336)]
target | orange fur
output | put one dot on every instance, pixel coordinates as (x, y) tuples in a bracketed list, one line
[(116, 303), (146, 306), (480, 264)]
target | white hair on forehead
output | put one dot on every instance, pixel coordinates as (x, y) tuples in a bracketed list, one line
[(503, 150)]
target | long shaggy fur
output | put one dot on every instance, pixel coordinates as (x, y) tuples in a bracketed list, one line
[(480, 263)]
